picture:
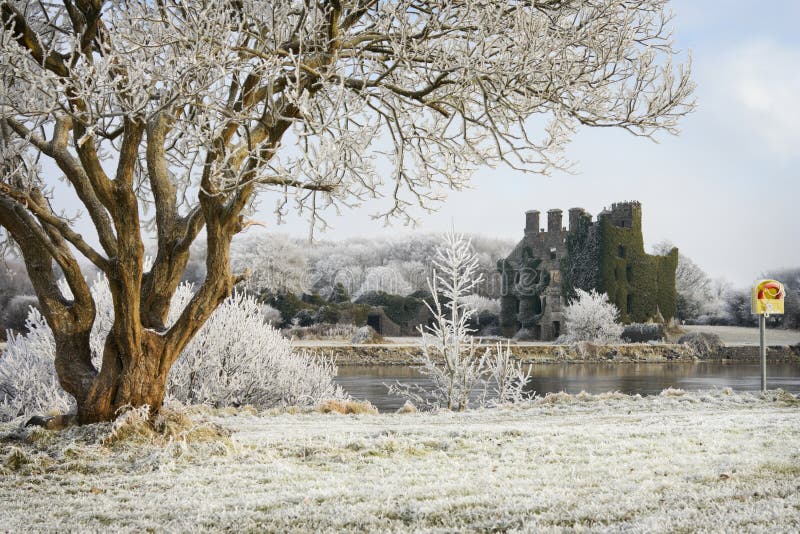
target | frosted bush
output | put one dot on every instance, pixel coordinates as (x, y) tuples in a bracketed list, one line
[(481, 304), (271, 315), (591, 317), (235, 358), (506, 379), (28, 381)]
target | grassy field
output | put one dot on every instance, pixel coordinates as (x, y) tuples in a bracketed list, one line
[(715, 461)]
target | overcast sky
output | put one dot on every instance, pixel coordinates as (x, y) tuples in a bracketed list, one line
[(725, 191)]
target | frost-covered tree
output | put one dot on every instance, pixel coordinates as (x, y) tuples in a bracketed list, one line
[(173, 115), (236, 358), (455, 362), (346, 261), (450, 354), (276, 263), (700, 298), (388, 279), (790, 278), (590, 316), (482, 304)]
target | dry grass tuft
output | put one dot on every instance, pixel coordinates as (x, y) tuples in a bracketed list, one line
[(611, 395), (408, 407), (137, 426), (562, 397), (346, 407), (16, 459), (673, 392), (588, 350), (787, 398)]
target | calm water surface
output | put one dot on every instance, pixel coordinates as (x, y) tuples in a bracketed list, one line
[(369, 382)]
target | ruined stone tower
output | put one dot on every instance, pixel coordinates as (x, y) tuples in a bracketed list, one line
[(544, 269)]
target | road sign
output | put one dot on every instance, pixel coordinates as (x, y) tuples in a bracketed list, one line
[(767, 298)]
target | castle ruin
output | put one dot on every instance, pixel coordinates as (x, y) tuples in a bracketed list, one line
[(544, 269)]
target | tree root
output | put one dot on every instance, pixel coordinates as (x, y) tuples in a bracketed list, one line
[(57, 422)]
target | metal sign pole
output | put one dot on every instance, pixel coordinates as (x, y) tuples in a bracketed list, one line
[(766, 298), (762, 326)]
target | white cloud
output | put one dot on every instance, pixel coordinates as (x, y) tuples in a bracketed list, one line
[(762, 80)]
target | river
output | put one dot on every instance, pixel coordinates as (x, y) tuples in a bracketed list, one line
[(369, 382)]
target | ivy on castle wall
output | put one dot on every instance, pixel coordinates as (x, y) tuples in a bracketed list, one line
[(579, 267), (667, 294), (627, 270)]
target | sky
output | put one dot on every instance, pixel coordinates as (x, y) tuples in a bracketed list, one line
[(723, 191)]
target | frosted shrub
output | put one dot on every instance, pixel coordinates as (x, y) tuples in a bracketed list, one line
[(271, 315), (591, 317), (482, 304), (235, 358), (506, 380), (28, 382)]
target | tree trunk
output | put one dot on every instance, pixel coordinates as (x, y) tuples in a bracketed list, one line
[(127, 378)]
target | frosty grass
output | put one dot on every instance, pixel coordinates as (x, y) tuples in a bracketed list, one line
[(715, 461)]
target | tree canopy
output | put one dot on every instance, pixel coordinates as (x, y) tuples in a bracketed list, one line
[(172, 115)]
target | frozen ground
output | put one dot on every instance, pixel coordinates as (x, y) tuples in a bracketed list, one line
[(741, 335), (676, 462)]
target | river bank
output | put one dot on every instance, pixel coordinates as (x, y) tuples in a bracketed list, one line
[(407, 353), (714, 461)]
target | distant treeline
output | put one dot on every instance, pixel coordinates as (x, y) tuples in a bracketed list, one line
[(400, 265)]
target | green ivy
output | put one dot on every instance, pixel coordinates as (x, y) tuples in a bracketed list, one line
[(650, 282), (579, 266)]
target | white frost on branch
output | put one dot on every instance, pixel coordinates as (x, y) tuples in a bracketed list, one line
[(455, 362), (433, 88)]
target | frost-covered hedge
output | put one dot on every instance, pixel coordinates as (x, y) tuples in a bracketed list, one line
[(591, 317), (236, 358), (643, 332)]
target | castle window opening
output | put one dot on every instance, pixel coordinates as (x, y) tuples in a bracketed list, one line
[(629, 304), (621, 251)]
